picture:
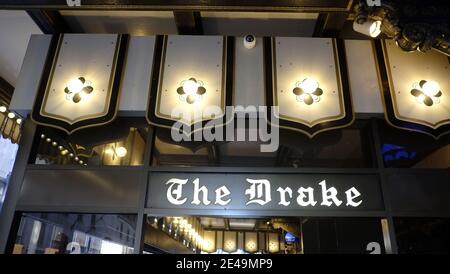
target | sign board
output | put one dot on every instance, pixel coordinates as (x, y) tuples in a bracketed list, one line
[(271, 192)]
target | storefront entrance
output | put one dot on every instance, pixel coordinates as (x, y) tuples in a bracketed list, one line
[(264, 235)]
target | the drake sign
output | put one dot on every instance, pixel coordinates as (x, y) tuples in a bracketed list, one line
[(237, 191)]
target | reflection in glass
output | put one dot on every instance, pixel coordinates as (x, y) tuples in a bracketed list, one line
[(120, 143), (350, 147), (418, 150), (54, 233)]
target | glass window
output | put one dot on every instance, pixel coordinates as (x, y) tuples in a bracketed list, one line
[(264, 235), (408, 149), (8, 153), (121, 142), (60, 233), (422, 235), (350, 147)]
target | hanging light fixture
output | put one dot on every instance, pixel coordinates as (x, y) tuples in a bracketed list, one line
[(307, 91), (191, 90), (427, 92), (77, 89)]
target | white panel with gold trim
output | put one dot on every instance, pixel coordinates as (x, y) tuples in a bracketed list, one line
[(186, 57), (307, 58), (81, 55), (405, 71)]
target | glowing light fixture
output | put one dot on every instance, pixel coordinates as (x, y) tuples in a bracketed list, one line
[(3, 109), (307, 91), (369, 27), (11, 115), (77, 89), (427, 92), (273, 243), (118, 152), (121, 152), (191, 90)]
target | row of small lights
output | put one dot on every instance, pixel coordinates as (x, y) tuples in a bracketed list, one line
[(64, 151), (11, 115), (187, 229)]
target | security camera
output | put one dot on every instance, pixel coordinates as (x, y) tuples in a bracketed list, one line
[(249, 41)]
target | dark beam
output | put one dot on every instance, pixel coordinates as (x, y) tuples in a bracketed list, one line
[(188, 22), (187, 5), (330, 24), (6, 91), (49, 21)]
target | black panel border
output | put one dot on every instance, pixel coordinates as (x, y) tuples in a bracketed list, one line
[(388, 105)]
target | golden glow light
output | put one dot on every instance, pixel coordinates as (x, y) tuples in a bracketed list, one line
[(430, 88), (121, 152), (78, 89), (426, 92), (75, 85), (191, 90), (307, 91), (190, 86)]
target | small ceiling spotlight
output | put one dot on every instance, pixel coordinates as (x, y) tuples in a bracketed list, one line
[(369, 27), (427, 92), (11, 115), (307, 91), (191, 90), (3, 109), (77, 89)]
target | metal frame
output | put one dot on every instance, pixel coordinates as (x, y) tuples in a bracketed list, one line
[(190, 5)]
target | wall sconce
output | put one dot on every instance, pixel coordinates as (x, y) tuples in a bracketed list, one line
[(307, 91), (426, 92), (118, 152), (78, 88), (191, 90)]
